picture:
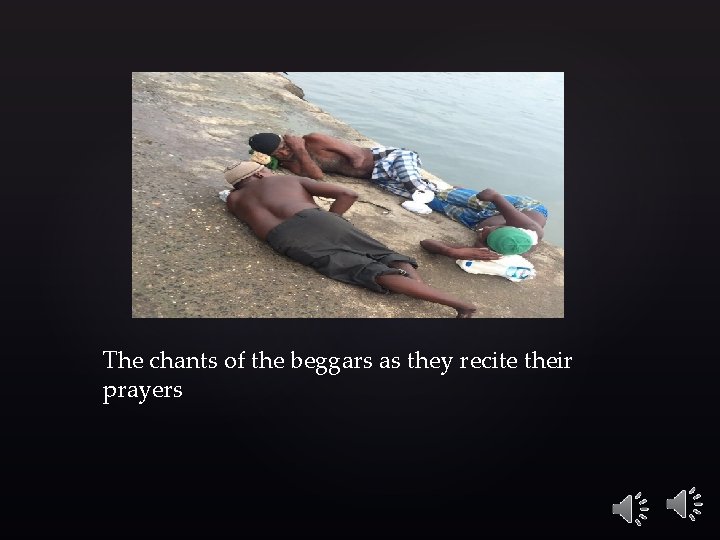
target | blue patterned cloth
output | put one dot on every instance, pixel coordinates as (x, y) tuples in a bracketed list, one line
[(397, 170), (463, 206)]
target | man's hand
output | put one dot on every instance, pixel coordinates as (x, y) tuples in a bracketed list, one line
[(294, 142), (299, 161), (488, 194)]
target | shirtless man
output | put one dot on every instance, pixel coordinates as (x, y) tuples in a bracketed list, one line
[(506, 224), (280, 210), (394, 169)]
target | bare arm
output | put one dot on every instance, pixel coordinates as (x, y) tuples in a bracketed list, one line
[(303, 164), (457, 251), (513, 216), (344, 197), (294, 167)]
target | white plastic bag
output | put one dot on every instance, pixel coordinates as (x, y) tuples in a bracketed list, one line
[(419, 202), (512, 267)]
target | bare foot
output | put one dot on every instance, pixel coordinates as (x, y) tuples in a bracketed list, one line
[(465, 313)]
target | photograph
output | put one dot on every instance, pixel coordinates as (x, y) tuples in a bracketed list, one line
[(348, 195)]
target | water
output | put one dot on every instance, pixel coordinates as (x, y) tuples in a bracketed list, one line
[(476, 130)]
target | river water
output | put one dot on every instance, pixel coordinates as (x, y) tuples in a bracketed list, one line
[(476, 130)]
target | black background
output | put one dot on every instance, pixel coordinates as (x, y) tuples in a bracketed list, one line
[(367, 453)]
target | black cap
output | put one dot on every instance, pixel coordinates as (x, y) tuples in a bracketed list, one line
[(266, 143)]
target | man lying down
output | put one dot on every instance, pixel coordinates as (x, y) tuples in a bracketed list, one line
[(280, 210)]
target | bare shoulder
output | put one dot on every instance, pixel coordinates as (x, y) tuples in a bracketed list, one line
[(234, 195), (319, 138), (234, 200)]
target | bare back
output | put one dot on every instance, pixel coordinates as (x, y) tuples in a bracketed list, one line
[(264, 203), (336, 156)]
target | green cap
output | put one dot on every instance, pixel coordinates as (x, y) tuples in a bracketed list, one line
[(509, 241)]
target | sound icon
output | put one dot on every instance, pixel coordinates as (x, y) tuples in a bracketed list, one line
[(679, 504), (624, 509)]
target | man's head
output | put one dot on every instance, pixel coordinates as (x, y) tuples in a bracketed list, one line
[(271, 144), (266, 143), (507, 240), (234, 174)]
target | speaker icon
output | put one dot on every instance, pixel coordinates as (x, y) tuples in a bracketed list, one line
[(625, 508), (679, 504)]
